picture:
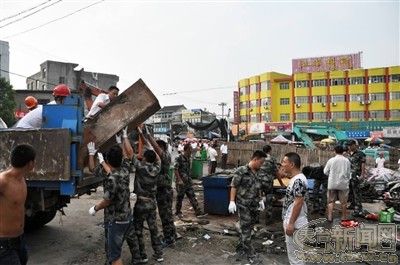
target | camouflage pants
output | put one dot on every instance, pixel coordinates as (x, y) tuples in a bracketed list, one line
[(146, 211), (355, 193), (133, 243), (317, 204), (268, 190), (187, 189), (247, 217), (164, 204)]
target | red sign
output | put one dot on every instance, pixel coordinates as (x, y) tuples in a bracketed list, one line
[(279, 127), (20, 113), (377, 134), (327, 63), (236, 114)]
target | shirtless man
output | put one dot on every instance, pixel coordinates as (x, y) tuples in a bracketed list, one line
[(13, 192)]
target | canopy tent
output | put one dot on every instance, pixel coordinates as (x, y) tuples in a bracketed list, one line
[(328, 140), (279, 139), (374, 140)]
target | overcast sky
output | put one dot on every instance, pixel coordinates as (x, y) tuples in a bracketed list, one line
[(196, 49)]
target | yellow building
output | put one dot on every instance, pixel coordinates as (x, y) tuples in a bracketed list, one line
[(334, 96)]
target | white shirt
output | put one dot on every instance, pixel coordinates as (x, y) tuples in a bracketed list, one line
[(213, 154), (224, 149), (338, 170), (302, 217), (380, 162), (32, 120), (101, 98)]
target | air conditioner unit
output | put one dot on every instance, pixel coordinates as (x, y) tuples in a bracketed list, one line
[(362, 102), (334, 103), (367, 102), (330, 120), (298, 105), (323, 104)]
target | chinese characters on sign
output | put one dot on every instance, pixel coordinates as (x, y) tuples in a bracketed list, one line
[(325, 64)]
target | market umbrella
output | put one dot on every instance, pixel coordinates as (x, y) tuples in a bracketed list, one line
[(328, 140), (374, 140)]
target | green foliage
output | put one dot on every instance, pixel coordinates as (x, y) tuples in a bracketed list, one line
[(7, 102)]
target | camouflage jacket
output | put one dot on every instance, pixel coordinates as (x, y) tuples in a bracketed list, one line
[(116, 190), (163, 177), (248, 186), (146, 178), (268, 169), (182, 164), (357, 159)]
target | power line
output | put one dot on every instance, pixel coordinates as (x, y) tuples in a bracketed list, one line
[(30, 78), (54, 20), (12, 22), (197, 90), (22, 12)]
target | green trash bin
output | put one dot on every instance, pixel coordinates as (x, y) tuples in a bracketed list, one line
[(197, 168), (203, 154)]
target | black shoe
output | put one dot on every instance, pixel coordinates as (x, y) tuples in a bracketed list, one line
[(201, 214)]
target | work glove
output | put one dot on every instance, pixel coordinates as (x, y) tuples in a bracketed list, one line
[(125, 132), (118, 138), (91, 148), (261, 205), (92, 211), (100, 157), (232, 207)]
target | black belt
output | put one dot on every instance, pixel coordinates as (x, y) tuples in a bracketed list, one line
[(14, 242)]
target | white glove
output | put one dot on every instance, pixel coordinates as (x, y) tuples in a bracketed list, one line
[(232, 207), (125, 132), (100, 157), (118, 138), (261, 205), (91, 148), (92, 211)]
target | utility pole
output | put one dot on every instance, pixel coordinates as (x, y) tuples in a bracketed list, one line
[(222, 104)]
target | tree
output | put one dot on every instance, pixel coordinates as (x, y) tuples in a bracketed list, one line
[(7, 102)]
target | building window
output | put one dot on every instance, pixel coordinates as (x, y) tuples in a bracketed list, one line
[(243, 118), (338, 115), (61, 80), (356, 97), (254, 103), (284, 101), (37, 84), (356, 80), (44, 70), (253, 88), (337, 81), (377, 114), (244, 90), (266, 102), (319, 99), (283, 86), (301, 100), (266, 117), (319, 82), (376, 79), (395, 95), (43, 87), (266, 85), (395, 113), (254, 118), (357, 114), (394, 78), (338, 98), (301, 83), (32, 85), (377, 96), (302, 116), (319, 115), (285, 117), (243, 105)]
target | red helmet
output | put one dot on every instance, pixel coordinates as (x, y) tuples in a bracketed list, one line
[(30, 102), (61, 90)]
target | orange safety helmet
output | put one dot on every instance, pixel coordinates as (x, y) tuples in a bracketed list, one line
[(30, 102), (61, 90)]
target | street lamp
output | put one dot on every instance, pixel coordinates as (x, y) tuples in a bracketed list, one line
[(222, 104)]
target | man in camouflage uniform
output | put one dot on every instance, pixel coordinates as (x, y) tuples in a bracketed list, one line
[(184, 182), (116, 199), (268, 172), (357, 160), (245, 189), (164, 192)]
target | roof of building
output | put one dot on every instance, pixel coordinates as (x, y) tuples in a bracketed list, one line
[(173, 108)]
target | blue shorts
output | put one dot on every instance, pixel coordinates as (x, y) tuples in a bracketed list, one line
[(13, 251), (116, 237)]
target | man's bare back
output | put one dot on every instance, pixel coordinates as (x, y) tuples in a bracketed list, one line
[(13, 194)]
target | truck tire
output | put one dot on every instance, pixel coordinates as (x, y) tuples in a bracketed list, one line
[(39, 219)]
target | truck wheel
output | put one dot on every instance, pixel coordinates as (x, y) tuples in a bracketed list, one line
[(39, 219)]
